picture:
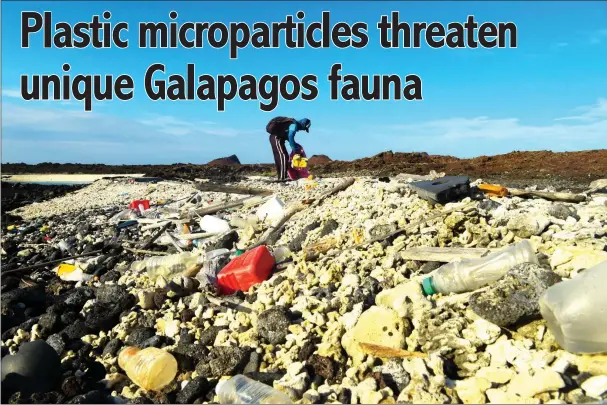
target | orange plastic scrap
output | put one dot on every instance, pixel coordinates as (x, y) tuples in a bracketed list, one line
[(186, 230), (385, 352), (310, 185), (493, 190)]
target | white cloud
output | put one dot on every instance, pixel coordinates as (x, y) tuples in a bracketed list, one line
[(590, 113), (65, 125), (49, 120), (589, 125), (174, 126), (35, 133), (42, 133), (11, 93)]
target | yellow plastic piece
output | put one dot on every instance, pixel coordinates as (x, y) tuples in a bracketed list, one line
[(299, 162), (358, 235), (65, 268)]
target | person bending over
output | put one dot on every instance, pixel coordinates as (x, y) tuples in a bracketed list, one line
[(282, 129)]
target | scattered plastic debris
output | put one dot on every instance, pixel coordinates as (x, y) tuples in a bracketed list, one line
[(309, 292)]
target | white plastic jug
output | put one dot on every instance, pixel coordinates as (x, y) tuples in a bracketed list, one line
[(271, 209), (576, 311)]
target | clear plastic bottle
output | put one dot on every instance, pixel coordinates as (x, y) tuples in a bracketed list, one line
[(151, 368), (576, 311), (243, 390), (124, 214), (470, 274), (167, 266)]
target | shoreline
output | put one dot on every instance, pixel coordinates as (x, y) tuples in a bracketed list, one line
[(541, 168), (48, 177)]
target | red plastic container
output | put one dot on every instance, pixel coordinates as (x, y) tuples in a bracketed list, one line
[(246, 270), (136, 203)]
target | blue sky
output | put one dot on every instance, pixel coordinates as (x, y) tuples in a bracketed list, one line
[(550, 93)]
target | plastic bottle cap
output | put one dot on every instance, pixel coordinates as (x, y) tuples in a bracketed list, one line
[(428, 286)]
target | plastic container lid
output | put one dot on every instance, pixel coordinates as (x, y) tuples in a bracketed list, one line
[(428, 286)]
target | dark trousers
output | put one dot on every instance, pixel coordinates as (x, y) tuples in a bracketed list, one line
[(281, 157)]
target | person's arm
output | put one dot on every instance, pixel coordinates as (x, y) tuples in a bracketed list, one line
[(292, 131)]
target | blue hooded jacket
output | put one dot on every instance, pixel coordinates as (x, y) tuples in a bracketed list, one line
[(300, 125)]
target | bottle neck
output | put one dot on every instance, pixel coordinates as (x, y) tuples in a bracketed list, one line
[(428, 286)]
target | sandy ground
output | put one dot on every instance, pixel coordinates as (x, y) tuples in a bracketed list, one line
[(62, 177)]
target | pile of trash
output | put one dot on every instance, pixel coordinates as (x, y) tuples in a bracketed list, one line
[(408, 289)]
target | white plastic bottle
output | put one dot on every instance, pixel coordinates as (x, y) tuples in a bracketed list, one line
[(210, 223), (576, 311), (167, 266), (243, 390), (470, 274), (151, 368)]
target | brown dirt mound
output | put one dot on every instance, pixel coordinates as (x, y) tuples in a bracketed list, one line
[(319, 160), (585, 164), (230, 160)]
